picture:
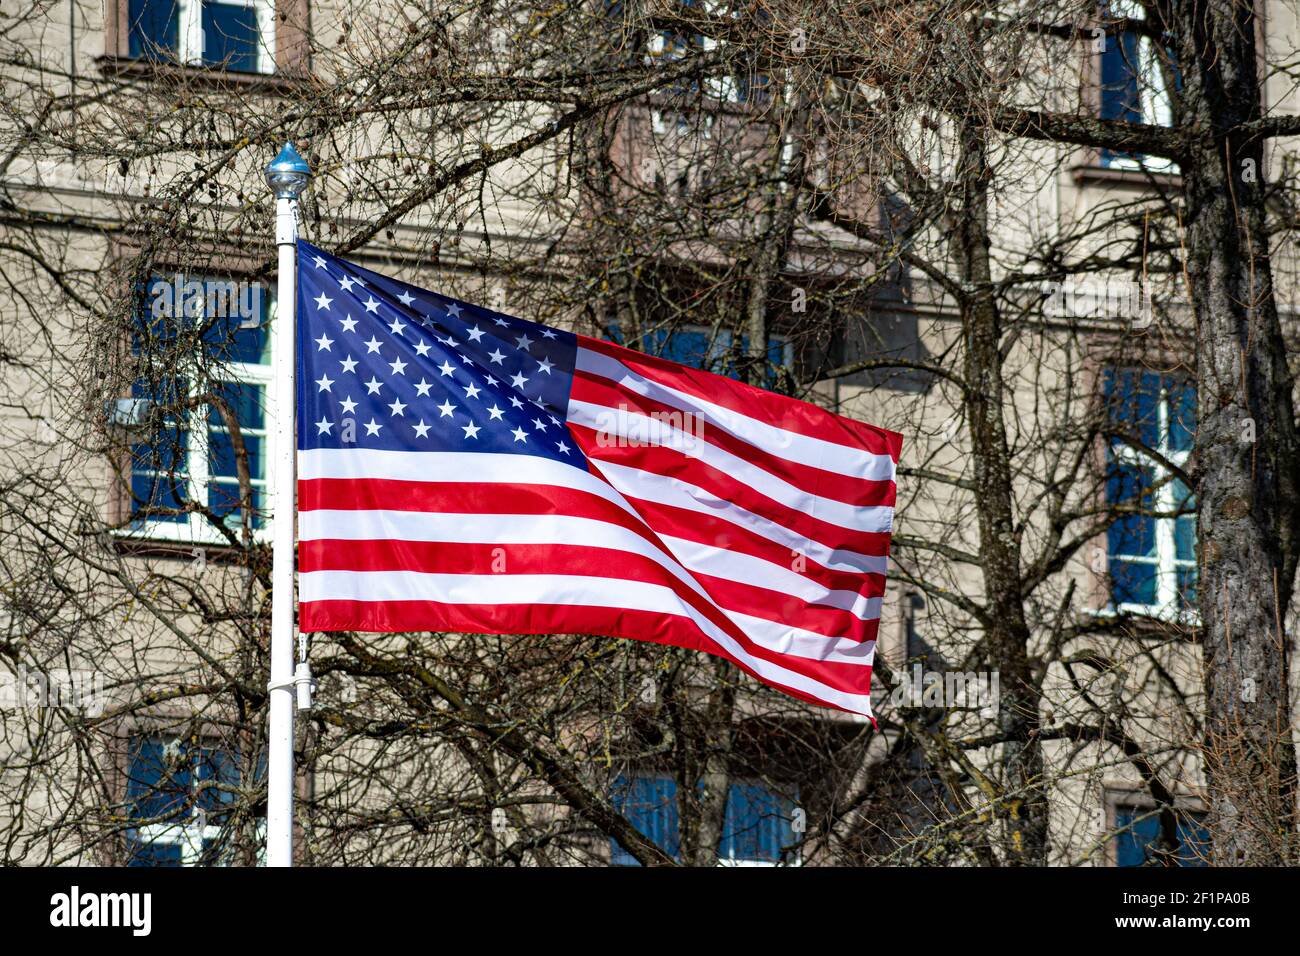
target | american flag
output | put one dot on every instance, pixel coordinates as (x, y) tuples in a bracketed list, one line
[(464, 470)]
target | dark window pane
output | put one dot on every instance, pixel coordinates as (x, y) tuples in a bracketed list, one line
[(152, 853), (220, 770), (1132, 582), (1133, 403), (1135, 846), (222, 460), (1119, 79), (757, 824), (153, 29), (158, 781), (1184, 527), (230, 36), (223, 499), (245, 400), (1182, 414), (650, 804), (1132, 534)]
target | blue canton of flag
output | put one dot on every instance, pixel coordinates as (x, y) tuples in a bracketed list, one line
[(386, 365)]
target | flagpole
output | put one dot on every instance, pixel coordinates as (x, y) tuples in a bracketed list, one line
[(287, 175)]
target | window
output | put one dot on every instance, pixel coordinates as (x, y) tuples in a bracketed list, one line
[(1152, 559), (178, 799), (743, 86), (1138, 837), (699, 347), (755, 832), (237, 35), (1134, 88), (184, 449)]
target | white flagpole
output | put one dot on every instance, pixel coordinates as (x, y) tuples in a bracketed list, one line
[(287, 176)]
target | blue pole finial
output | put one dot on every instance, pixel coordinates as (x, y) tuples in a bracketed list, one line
[(288, 173)]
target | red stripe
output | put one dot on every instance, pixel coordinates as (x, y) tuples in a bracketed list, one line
[(779, 410), (399, 616), (826, 484)]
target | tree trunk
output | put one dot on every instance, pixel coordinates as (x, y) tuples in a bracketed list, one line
[(1246, 450), (1024, 804)]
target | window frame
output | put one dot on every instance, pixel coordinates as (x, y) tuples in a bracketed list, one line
[(190, 833), (1166, 561), (1117, 797), (196, 530), (280, 60)]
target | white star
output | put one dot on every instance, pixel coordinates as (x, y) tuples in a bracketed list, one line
[(349, 324), (398, 407), (323, 343), (564, 449), (516, 402), (519, 381), (422, 349), (471, 430), (554, 420), (472, 390), (497, 356), (548, 333), (524, 341), (348, 364), (348, 405), (541, 425), (502, 322), (406, 298), (545, 365), (372, 428), (474, 334), (398, 367), (449, 341), (324, 383), (520, 435), (371, 304), (445, 368), (346, 283), (453, 310), (492, 383), (320, 263), (323, 426), (396, 327), (372, 345), (323, 302), (422, 389), (421, 430), (495, 412), (373, 386), (446, 408)]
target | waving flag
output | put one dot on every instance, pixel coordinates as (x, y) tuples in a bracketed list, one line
[(464, 470)]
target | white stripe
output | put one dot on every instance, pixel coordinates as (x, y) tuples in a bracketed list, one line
[(384, 586), (781, 442), (632, 424), (352, 525)]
